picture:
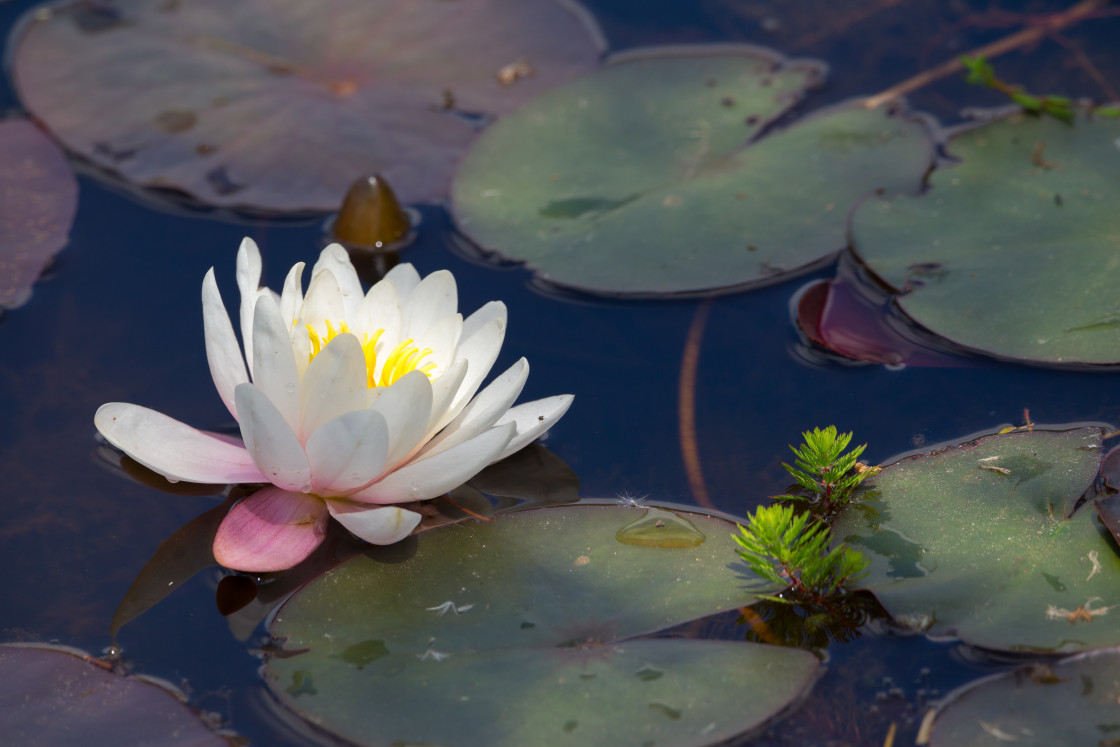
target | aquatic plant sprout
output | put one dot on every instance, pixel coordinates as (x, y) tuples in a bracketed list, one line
[(351, 402)]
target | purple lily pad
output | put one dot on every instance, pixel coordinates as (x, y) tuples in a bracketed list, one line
[(279, 105), (52, 695), (842, 315), (38, 199)]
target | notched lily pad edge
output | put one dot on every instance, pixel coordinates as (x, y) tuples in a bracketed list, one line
[(976, 118)]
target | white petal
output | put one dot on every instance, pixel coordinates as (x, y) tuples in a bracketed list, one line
[(334, 383), (380, 309), (291, 298), (444, 388), (480, 351), (274, 447), (274, 365), (335, 260), (437, 474), (434, 299), (480, 318), (249, 283), (532, 419), (406, 407), (405, 277), (174, 449), (483, 411), (347, 452), (378, 526), (323, 302), (442, 339), (222, 352)]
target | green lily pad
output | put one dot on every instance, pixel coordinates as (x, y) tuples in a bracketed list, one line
[(646, 177), (543, 607), (977, 541), (279, 105), (1074, 701), (1012, 251)]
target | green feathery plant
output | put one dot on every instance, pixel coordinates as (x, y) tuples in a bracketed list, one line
[(981, 73), (789, 550), (825, 471)]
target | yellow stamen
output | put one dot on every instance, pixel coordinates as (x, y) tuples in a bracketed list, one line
[(403, 359)]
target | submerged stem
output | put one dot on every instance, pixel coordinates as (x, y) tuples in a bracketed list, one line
[(1056, 22)]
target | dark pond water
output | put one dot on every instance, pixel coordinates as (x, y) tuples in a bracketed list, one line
[(117, 318)]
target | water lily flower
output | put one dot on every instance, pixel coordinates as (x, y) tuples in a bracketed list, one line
[(351, 402)]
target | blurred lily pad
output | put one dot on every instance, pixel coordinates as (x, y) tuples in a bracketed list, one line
[(542, 606), (1073, 701), (1012, 251), (987, 542), (38, 199), (278, 104), (653, 174), (54, 695)]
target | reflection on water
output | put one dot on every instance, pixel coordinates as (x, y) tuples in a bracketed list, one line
[(117, 317)]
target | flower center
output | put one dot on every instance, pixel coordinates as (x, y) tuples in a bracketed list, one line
[(404, 358)]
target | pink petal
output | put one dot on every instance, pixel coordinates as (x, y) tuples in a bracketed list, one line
[(271, 530), (173, 449)]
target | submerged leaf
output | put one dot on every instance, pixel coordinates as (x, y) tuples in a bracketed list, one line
[(38, 199)]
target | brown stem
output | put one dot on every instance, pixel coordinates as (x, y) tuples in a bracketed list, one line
[(1056, 22), (686, 405)]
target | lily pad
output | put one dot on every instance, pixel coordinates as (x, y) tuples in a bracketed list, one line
[(279, 105), (985, 541), (542, 606), (649, 176), (53, 695), (38, 199), (1073, 701), (1012, 250)]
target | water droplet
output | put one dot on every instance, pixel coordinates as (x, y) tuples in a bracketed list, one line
[(658, 528), (290, 388)]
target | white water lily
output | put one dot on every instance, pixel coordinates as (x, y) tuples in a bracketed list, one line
[(350, 402)]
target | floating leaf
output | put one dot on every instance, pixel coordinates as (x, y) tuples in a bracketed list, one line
[(645, 177), (1073, 701), (279, 104), (38, 199), (542, 606), (53, 695), (1012, 251), (977, 541)]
